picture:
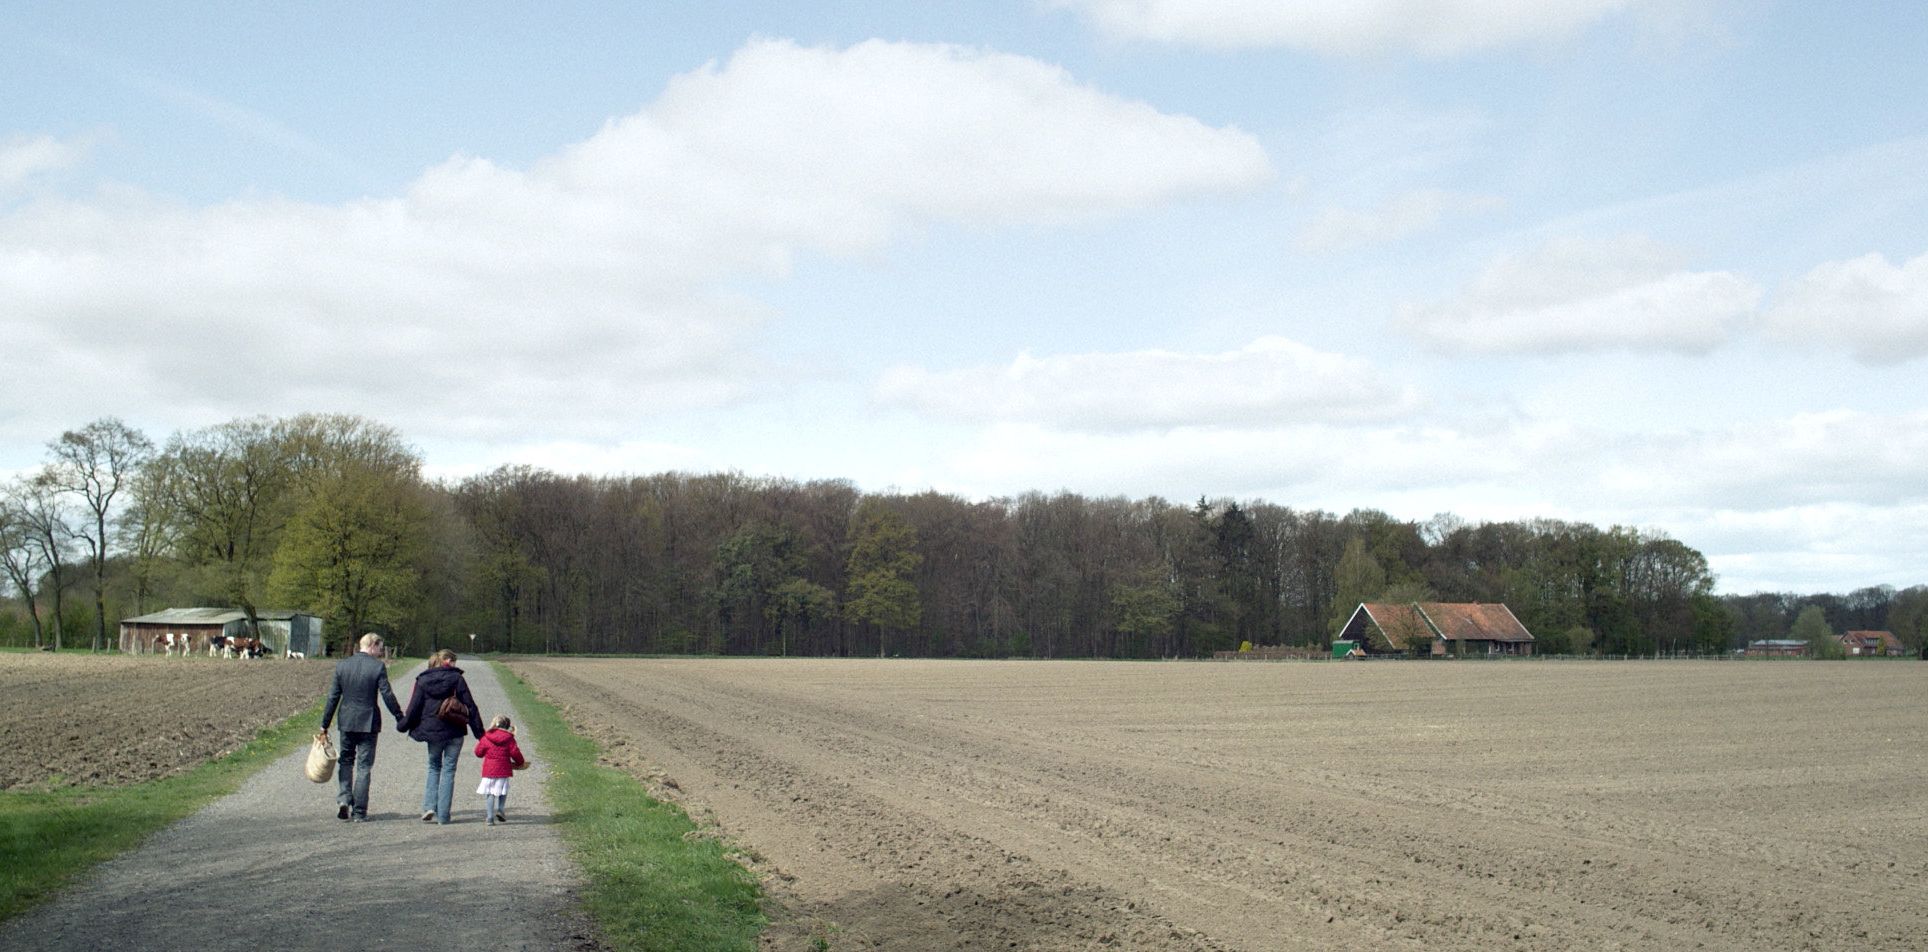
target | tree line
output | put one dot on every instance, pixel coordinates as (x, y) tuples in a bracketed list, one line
[(331, 514)]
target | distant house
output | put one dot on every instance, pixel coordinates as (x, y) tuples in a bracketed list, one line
[(1439, 629), (1777, 648), (281, 631), (1873, 643)]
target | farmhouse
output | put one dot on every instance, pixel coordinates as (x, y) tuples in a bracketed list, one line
[(1439, 629), (192, 629), (1873, 643)]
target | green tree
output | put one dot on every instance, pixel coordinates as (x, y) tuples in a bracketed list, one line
[(1715, 624), (1147, 613), (1811, 626), (750, 566), (228, 490), (798, 603), (883, 559), (353, 552), (1358, 579)]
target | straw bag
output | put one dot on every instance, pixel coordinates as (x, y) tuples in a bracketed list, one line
[(321, 759)]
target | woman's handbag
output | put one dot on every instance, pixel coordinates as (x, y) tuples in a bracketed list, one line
[(453, 711), (321, 759)]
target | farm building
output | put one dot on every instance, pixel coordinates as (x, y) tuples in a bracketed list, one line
[(1873, 643), (1439, 629), (1777, 648), (281, 631)]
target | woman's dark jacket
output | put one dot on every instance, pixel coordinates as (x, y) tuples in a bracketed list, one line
[(431, 686)]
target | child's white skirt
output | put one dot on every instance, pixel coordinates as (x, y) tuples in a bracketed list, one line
[(494, 787)]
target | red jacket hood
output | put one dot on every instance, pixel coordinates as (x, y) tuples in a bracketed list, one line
[(499, 753)]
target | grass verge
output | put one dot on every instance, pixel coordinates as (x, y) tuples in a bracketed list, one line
[(49, 837), (651, 884)]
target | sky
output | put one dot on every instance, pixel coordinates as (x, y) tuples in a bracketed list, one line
[(1651, 263)]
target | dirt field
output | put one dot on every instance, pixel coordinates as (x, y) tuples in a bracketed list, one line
[(1385, 805), (113, 719)]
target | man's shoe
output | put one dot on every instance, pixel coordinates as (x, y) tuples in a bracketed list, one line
[(499, 818), (428, 815), (342, 813)]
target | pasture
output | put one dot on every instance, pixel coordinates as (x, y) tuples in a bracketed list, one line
[(1526, 805)]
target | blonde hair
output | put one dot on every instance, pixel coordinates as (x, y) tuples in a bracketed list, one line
[(370, 640), (444, 656), (501, 722)]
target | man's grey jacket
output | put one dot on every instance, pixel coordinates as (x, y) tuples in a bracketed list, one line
[(358, 680)]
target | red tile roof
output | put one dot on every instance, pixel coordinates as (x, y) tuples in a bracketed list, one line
[(1413, 624), (1401, 623), (1474, 621)]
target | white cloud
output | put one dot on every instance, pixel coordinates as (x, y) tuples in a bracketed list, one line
[(1270, 381), (1433, 27), (1300, 464), (1575, 295), (1342, 229), (580, 295), (1878, 311), (1808, 459), (23, 158), (1811, 548)]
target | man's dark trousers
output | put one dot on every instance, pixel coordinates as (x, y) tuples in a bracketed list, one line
[(357, 764)]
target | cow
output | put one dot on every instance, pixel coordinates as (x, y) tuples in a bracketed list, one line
[(294, 655), (218, 645), (243, 647), (168, 643)]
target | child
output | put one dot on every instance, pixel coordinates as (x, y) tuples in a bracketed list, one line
[(501, 758)]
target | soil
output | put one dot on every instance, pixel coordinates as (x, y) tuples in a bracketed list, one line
[(111, 720), (1384, 805)]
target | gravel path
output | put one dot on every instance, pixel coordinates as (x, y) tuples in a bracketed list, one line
[(269, 867)]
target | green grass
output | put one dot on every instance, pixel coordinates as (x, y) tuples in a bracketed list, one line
[(652, 886), (50, 837)]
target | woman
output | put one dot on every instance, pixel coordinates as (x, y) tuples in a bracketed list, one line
[(433, 687)]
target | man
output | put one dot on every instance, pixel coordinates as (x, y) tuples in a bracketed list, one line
[(358, 680)]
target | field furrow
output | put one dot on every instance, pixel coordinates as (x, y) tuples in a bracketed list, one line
[(1540, 805)]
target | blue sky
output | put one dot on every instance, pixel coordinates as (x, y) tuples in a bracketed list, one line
[(1632, 262)]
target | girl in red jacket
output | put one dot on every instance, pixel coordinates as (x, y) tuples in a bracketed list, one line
[(501, 758)]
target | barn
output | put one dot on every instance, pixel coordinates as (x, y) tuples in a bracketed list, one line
[(1438, 629), (280, 630)]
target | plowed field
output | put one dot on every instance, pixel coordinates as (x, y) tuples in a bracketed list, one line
[(106, 720), (1385, 805)]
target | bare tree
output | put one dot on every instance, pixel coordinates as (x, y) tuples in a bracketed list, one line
[(97, 462), (50, 534), (20, 557), (148, 532)]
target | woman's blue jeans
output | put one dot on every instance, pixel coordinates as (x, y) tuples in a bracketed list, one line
[(439, 790)]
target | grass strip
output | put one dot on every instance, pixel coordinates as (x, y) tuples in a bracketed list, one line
[(50, 837), (651, 884)]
